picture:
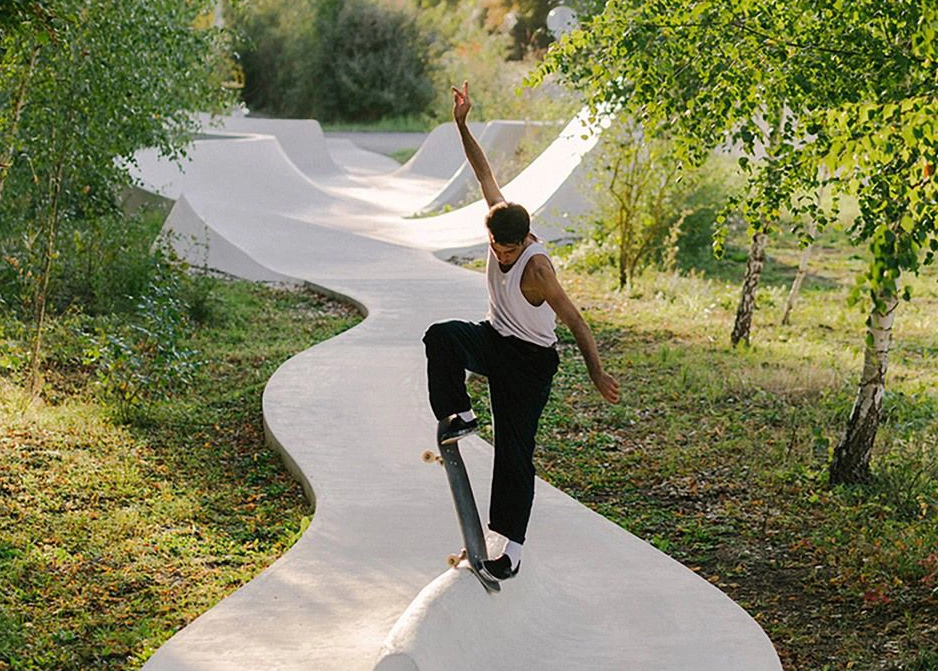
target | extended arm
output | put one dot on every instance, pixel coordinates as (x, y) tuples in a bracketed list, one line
[(474, 154), (549, 287)]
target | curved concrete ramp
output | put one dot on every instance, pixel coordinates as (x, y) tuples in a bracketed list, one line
[(560, 216), (302, 140), (544, 187), (440, 155), (199, 243), (360, 162), (589, 596), (363, 584)]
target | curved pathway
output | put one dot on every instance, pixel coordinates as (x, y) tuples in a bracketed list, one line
[(365, 585)]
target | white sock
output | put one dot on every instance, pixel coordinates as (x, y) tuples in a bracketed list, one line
[(513, 550), (467, 416)]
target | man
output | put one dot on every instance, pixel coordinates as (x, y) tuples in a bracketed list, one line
[(513, 348)]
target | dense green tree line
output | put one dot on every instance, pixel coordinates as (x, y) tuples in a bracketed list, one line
[(364, 60)]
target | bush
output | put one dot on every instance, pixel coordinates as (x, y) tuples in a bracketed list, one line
[(334, 60), (107, 262), (146, 359), (364, 61), (649, 209)]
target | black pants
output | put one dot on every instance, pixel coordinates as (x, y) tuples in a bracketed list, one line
[(519, 375)]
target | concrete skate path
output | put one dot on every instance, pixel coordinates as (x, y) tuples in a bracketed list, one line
[(365, 586)]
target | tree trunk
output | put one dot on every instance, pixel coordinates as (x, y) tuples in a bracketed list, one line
[(851, 460), (42, 281), (19, 101), (799, 278), (747, 303)]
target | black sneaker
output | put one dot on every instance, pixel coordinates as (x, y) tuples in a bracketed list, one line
[(500, 569), (453, 428)]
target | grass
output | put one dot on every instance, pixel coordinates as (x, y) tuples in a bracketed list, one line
[(114, 536), (718, 456), (414, 124), (404, 155)]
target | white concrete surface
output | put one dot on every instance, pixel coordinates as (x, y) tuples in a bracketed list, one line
[(365, 586), (302, 140), (499, 140), (440, 155)]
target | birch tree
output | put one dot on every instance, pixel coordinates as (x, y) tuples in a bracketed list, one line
[(116, 77), (858, 84), (803, 260)]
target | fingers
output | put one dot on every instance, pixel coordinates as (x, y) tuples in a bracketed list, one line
[(611, 391), (463, 95)]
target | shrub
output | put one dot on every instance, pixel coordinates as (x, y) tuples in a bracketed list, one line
[(106, 262), (145, 359), (649, 209), (353, 60)]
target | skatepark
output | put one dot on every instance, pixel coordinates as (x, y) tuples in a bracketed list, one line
[(367, 585)]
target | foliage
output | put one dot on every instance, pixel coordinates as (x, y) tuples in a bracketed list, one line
[(850, 93), (145, 359), (106, 263), (649, 209), (354, 61), (113, 537), (295, 55), (838, 96), (83, 89), (641, 188)]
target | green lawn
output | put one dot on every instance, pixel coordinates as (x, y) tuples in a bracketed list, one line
[(114, 536)]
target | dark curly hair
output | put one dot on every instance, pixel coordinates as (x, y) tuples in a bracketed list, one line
[(509, 223)]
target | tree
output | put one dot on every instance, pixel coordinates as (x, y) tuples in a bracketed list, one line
[(857, 83), (26, 26), (803, 261), (116, 78), (353, 60), (696, 74), (640, 188)]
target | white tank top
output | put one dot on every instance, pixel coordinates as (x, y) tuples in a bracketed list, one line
[(509, 311)]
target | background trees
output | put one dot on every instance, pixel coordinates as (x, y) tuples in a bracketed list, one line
[(84, 85), (838, 95), (355, 61), (366, 60)]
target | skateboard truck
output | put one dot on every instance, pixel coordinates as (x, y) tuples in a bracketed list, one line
[(474, 551)]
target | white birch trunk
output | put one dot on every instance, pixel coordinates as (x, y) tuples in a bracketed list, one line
[(799, 278), (747, 302), (851, 460)]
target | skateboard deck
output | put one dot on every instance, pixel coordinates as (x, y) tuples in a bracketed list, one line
[(467, 513)]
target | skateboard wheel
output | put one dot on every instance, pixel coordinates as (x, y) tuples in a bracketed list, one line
[(430, 456), (452, 561)]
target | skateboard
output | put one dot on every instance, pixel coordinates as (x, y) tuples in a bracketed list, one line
[(474, 551)]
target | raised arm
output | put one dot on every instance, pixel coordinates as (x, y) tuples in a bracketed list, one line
[(474, 154)]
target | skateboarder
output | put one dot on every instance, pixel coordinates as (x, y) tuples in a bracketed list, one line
[(513, 348)]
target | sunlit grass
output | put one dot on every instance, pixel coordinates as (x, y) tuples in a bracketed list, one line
[(112, 537)]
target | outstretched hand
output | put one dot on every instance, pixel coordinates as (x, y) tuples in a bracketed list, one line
[(608, 387), (461, 103)]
